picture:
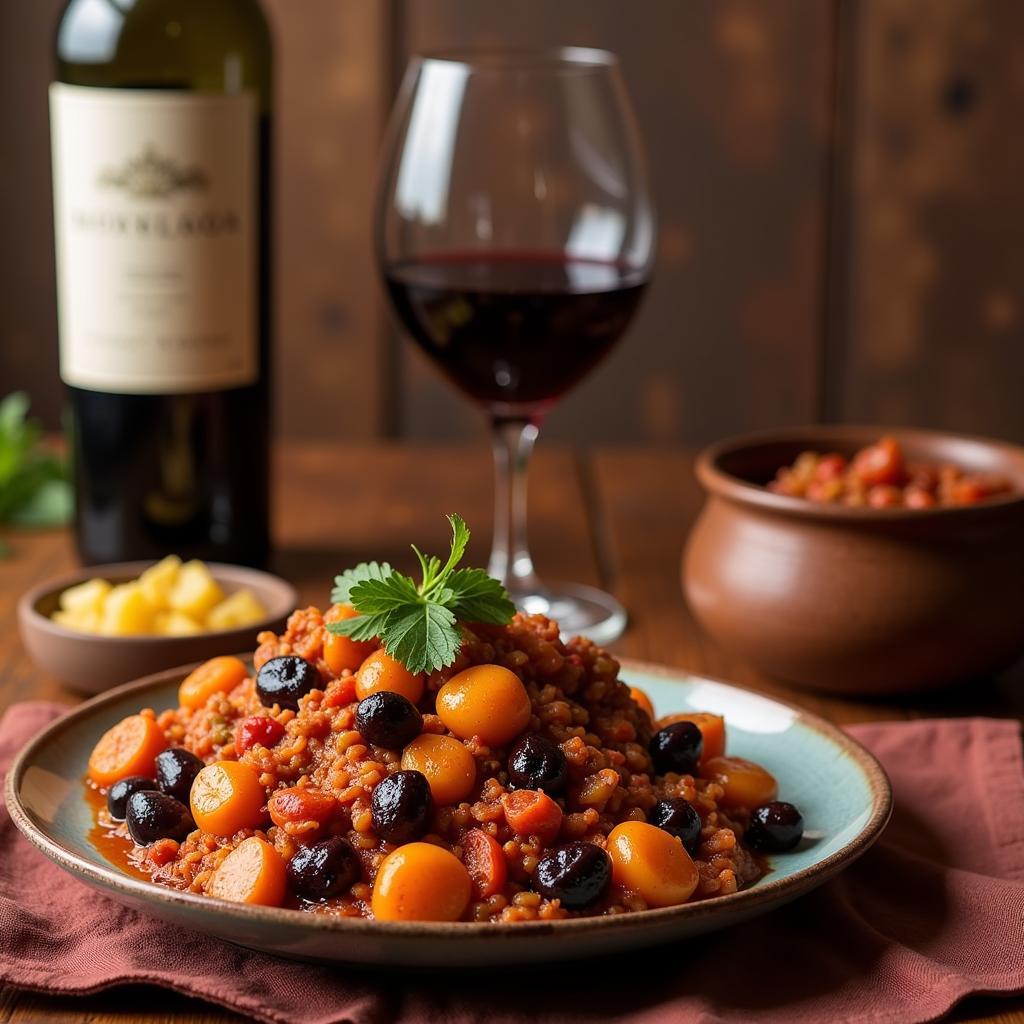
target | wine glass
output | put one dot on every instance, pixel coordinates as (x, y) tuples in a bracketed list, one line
[(516, 235)]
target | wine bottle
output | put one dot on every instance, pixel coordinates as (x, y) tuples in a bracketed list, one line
[(160, 128)]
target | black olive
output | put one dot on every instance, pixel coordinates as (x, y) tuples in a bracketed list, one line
[(679, 819), (117, 795), (325, 869), (285, 679), (537, 763), (401, 807), (774, 828), (578, 874), (676, 748), (152, 815), (388, 719), (176, 770)]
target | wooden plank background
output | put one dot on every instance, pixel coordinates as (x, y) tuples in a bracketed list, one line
[(837, 182), (733, 98), (931, 329), (28, 291)]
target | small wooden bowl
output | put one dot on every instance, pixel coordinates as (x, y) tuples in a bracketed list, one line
[(91, 663), (858, 600)]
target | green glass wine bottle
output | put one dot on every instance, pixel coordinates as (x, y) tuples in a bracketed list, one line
[(160, 124)]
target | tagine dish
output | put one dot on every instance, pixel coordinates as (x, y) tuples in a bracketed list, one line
[(431, 756)]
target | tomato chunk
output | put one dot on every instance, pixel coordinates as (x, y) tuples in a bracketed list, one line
[(257, 729), (880, 463), (298, 805), (531, 812)]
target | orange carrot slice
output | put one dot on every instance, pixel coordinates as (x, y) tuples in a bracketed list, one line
[(218, 675), (253, 872), (129, 748)]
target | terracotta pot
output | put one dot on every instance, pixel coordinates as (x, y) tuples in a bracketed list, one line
[(858, 600)]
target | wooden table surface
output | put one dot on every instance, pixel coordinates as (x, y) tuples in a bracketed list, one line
[(615, 517)]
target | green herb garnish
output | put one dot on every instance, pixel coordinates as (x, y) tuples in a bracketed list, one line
[(418, 624), (34, 490)]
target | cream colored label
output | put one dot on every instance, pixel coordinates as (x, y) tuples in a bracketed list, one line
[(155, 215)]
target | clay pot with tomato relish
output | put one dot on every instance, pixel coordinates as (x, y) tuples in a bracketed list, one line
[(858, 600)]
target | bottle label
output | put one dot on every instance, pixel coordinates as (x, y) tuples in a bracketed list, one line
[(155, 215)]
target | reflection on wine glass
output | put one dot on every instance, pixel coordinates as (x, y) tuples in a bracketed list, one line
[(516, 236)]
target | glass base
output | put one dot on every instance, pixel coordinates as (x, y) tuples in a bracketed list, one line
[(579, 610)]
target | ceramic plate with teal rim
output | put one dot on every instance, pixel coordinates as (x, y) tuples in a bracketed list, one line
[(839, 787)]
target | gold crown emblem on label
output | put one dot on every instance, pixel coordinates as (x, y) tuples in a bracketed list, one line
[(151, 175)]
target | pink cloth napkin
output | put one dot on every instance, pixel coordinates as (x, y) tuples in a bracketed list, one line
[(933, 913)]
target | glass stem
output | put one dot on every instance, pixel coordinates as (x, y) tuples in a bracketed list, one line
[(510, 559)]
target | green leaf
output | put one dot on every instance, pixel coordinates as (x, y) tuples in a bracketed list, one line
[(13, 411), (460, 538), (419, 625), (363, 571), (424, 638), (430, 567), (362, 627), (33, 482), (51, 504), (478, 597), (17, 436), (374, 597), (377, 601)]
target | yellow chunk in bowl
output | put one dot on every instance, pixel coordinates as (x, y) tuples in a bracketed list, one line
[(158, 581), (126, 612), (240, 609), (85, 598), (195, 591), (169, 598), (176, 624)]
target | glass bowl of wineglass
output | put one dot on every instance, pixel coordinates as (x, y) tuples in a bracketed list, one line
[(515, 234)]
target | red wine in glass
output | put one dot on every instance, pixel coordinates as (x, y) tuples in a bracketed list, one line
[(515, 234), (514, 330)]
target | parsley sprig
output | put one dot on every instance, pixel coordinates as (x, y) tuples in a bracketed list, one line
[(418, 623)]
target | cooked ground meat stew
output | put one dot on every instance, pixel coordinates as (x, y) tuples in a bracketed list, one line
[(880, 476), (526, 781)]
